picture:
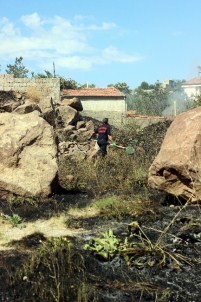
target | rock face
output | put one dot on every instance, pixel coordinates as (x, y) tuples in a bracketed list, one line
[(177, 167), (28, 154)]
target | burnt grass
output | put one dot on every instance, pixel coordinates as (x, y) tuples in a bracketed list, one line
[(111, 280), (83, 276)]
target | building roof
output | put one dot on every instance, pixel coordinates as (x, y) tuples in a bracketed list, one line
[(91, 92), (195, 81)]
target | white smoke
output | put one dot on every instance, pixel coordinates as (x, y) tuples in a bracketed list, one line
[(178, 102)]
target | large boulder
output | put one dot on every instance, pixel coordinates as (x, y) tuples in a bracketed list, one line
[(69, 115), (28, 155), (74, 103), (177, 167)]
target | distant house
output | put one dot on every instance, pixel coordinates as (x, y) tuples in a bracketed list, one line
[(168, 84), (192, 88), (98, 99)]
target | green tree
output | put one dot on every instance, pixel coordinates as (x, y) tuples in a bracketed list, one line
[(146, 86), (68, 84), (47, 74), (121, 86), (87, 86), (150, 101), (18, 69)]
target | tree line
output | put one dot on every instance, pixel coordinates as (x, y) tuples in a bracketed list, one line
[(146, 99)]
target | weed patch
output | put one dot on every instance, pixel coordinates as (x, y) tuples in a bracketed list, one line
[(136, 249), (15, 220)]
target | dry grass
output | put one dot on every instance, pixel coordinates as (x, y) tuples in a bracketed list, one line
[(118, 173), (34, 94), (57, 259)]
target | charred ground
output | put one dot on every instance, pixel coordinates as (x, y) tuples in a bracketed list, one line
[(161, 261)]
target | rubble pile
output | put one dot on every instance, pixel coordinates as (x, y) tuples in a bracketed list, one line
[(75, 135)]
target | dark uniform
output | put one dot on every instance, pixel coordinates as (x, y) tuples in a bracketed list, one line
[(103, 131)]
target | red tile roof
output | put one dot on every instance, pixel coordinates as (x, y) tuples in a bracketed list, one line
[(90, 92), (195, 81)]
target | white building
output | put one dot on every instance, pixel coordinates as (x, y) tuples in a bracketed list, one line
[(192, 88), (98, 99)]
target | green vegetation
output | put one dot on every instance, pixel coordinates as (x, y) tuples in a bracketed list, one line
[(136, 249), (17, 69), (149, 101), (123, 87), (15, 220), (107, 247), (118, 208)]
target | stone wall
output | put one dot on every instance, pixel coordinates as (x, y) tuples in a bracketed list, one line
[(115, 118), (119, 120), (144, 121), (46, 87)]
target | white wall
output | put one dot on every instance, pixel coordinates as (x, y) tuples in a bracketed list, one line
[(104, 105), (192, 90)]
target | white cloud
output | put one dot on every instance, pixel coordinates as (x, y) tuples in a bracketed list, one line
[(7, 28), (33, 21), (66, 42), (103, 26), (74, 62), (112, 54)]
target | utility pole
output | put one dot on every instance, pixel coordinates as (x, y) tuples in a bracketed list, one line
[(54, 70), (175, 108)]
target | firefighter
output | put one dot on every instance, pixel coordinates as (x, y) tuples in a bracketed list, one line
[(104, 134)]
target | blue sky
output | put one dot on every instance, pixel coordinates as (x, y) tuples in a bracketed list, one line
[(104, 41)]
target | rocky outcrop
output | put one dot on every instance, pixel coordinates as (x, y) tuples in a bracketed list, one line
[(28, 155), (31, 139), (177, 167)]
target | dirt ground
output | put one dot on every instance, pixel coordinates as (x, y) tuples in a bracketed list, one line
[(112, 280)]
